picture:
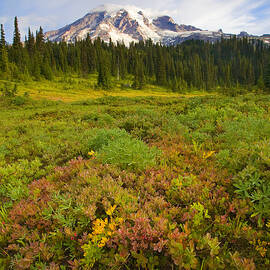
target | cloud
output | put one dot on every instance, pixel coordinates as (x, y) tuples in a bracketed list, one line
[(3, 19), (49, 4), (232, 16), (35, 22)]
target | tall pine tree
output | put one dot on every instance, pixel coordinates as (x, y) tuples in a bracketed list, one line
[(139, 77), (16, 37), (30, 43), (4, 65), (103, 70), (160, 68), (16, 52), (40, 40), (2, 39), (267, 76)]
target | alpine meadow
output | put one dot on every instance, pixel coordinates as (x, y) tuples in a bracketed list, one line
[(131, 142)]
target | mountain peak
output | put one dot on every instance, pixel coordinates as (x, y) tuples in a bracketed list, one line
[(113, 9), (126, 23)]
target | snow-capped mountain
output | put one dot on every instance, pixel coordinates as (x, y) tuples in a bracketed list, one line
[(127, 24)]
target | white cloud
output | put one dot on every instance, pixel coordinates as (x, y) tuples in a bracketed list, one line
[(34, 22), (49, 4), (232, 16), (3, 19)]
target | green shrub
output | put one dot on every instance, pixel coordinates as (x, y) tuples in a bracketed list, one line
[(98, 138), (250, 185), (99, 119), (14, 178), (19, 101), (116, 146), (127, 153), (223, 158)]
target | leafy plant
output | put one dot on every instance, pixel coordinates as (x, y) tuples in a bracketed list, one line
[(128, 153), (250, 185), (100, 138)]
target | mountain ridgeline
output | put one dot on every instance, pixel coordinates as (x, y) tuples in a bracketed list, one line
[(127, 24), (132, 24), (193, 65)]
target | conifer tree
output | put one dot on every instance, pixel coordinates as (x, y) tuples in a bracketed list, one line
[(150, 62), (260, 83), (46, 70), (267, 76), (62, 54), (16, 51), (40, 39), (30, 43), (17, 37), (161, 69), (36, 67), (2, 39), (141, 76), (4, 65), (135, 83), (103, 71), (2, 42)]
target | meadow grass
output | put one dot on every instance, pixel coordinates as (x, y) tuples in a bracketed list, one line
[(72, 88), (141, 182)]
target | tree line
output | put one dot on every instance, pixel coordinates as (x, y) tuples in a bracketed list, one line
[(228, 63)]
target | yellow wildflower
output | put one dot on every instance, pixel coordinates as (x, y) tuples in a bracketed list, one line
[(99, 226), (103, 242), (208, 155), (104, 239), (110, 211), (91, 153), (112, 226), (120, 220)]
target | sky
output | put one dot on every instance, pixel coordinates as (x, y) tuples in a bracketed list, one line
[(232, 16)]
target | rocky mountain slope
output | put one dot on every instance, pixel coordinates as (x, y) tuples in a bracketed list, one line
[(128, 24)]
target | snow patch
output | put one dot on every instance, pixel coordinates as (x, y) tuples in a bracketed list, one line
[(112, 9), (121, 37), (83, 33), (104, 27), (135, 13)]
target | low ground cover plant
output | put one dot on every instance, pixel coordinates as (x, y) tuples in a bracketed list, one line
[(135, 183)]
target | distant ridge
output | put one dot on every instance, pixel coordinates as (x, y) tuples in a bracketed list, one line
[(131, 24)]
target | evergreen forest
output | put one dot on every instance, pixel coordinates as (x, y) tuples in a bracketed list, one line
[(195, 65)]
